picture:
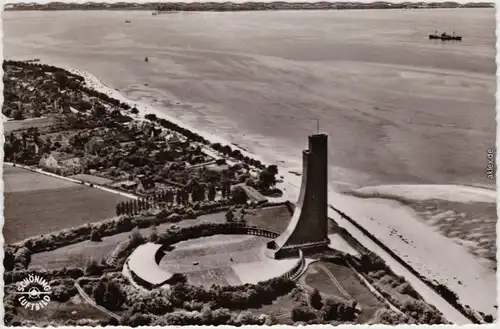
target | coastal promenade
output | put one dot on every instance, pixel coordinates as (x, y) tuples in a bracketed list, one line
[(401, 268)]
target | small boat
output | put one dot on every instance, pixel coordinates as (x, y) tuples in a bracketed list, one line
[(146, 59), (127, 22), (445, 37)]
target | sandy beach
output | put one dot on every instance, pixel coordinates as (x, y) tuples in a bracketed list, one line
[(385, 94)]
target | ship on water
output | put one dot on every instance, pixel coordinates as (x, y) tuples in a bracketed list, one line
[(445, 37)]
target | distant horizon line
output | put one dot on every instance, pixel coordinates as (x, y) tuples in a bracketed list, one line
[(251, 2), (238, 5)]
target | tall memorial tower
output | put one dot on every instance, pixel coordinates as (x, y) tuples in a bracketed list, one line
[(308, 228)]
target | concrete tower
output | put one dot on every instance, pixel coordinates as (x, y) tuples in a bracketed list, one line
[(308, 228)]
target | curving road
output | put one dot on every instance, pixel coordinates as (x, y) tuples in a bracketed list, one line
[(427, 293), (91, 302), (76, 181), (375, 291), (334, 280)]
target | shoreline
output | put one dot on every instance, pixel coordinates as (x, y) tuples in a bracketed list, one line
[(290, 183), (166, 8)]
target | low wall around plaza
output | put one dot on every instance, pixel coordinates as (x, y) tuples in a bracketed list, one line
[(144, 261), (298, 269)]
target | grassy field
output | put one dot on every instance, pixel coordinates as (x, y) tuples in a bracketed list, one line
[(271, 218), (223, 276), (74, 309), (211, 252), (38, 204), (317, 278), (79, 253), (274, 219), (281, 309), (471, 224), (25, 124), (16, 179), (92, 179), (209, 260), (349, 282)]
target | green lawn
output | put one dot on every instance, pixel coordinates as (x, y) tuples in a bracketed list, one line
[(79, 253), (271, 218), (74, 309), (357, 290), (281, 309), (38, 212)]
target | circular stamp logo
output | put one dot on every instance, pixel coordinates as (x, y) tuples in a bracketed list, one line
[(35, 292)]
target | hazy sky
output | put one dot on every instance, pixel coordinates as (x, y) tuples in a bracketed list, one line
[(235, 1)]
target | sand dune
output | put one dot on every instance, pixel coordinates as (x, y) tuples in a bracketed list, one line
[(457, 193)]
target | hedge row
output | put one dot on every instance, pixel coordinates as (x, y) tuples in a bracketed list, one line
[(107, 227)]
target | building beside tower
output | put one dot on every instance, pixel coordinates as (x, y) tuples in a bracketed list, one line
[(308, 228)]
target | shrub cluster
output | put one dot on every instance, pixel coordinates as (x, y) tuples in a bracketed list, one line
[(124, 249), (61, 281), (209, 317), (389, 317), (176, 234), (65, 272), (381, 276), (323, 311), (62, 289), (9, 258), (422, 312), (204, 306), (19, 255), (108, 293), (172, 235)]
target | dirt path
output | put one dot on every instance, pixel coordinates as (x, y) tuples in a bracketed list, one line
[(399, 267), (76, 181), (375, 291), (334, 280), (91, 302)]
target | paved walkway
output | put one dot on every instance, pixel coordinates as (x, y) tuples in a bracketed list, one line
[(399, 268)]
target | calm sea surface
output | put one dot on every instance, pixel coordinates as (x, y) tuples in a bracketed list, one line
[(399, 108)]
